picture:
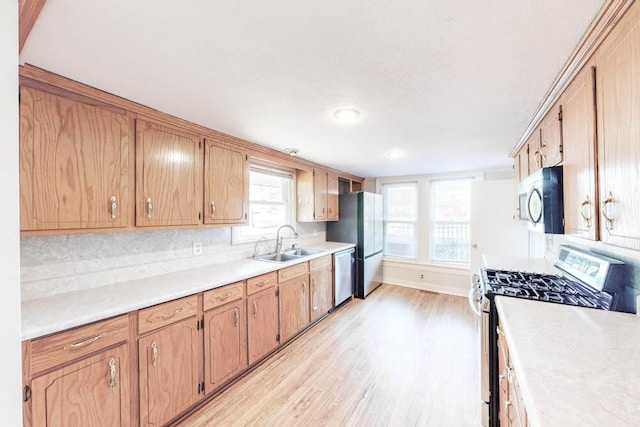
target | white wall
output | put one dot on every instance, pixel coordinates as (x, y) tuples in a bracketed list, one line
[(11, 383)]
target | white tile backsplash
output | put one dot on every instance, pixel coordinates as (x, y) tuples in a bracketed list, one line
[(57, 264)]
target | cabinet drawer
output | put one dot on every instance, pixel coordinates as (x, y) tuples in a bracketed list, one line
[(317, 263), (67, 346), (293, 271), (220, 296), (167, 313), (258, 283)]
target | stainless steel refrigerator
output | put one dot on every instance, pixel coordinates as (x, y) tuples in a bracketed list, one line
[(361, 223)]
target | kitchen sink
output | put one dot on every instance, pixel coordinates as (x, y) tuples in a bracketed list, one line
[(288, 255), (272, 257), (302, 251)]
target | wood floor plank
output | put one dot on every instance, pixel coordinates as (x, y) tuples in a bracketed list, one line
[(402, 357)]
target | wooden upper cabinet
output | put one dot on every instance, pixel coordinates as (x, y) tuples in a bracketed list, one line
[(533, 147), (169, 372), (579, 167), (226, 184), (551, 137), (168, 176), (320, 194), (618, 100), (74, 164), (333, 192), (521, 164), (317, 195), (93, 391)]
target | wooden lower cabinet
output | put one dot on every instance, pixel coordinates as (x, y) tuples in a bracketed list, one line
[(294, 306), (225, 343), (511, 412), (169, 365), (90, 392), (321, 296), (262, 324)]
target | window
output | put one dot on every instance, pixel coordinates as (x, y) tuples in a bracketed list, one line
[(450, 213), (271, 196), (400, 216)]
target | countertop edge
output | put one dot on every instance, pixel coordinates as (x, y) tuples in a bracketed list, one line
[(51, 314)]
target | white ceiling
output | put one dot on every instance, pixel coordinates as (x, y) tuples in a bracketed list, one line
[(451, 83)]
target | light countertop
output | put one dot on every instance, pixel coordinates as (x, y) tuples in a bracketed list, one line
[(533, 265), (46, 315), (575, 366)]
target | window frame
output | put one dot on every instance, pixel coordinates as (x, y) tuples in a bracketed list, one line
[(246, 233), (414, 222), (432, 221)]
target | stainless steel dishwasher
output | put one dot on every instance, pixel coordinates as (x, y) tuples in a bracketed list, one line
[(344, 275)]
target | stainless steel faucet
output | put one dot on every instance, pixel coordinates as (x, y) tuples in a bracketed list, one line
[(255, 248), (279, 240)]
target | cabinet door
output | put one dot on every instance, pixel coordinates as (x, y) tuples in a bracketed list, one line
[(225, 343), (551, 137), (74, 161), (91, 392), (333, 191), (579, 168), (522, 161), (226, 184), (533, 147), (262, 324), (168, 176), (321, 292), (320, 194), (618, 71), (169, 380), (294, 306)]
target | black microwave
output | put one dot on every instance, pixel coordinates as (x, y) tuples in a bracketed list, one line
[(540, 200)]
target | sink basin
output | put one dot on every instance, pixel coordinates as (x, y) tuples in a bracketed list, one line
[(272, 257), (302, 252)]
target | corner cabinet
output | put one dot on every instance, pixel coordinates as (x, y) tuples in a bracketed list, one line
[(168, 176), (169, 360), (226, 184), (618, 98), (579, 170), (74, 164)]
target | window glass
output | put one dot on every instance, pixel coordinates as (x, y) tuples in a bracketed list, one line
[(270, 204), (400, 216), (450, 213)]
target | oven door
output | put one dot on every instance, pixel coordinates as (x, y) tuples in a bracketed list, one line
[(480, 306)]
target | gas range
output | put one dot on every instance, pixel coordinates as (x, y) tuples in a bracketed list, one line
[(542, 287)]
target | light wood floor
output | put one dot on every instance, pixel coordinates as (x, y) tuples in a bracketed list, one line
[(402, 357)]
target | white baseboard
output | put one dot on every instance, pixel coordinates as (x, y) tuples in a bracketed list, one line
[(430, 287)]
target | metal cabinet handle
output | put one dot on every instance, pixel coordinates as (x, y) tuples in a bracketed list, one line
[(236, 312), (166, 316), (212, 210), (608, 200), (154, 352), (264, 282), (149, 207), (81, 344), (112, 373), (585, 217), (536, 158), (225, 296), (114, 207), (255, 309), (304, 286)]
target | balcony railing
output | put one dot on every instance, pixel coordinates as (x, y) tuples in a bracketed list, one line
[(450, 241)]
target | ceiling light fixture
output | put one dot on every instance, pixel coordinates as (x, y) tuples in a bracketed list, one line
[(396, 153), (346, 115), (291, 151)]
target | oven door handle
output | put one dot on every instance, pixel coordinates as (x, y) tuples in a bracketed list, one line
[(473, 302)]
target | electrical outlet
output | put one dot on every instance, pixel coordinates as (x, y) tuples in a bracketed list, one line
[(197, 248), (421, 275)]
